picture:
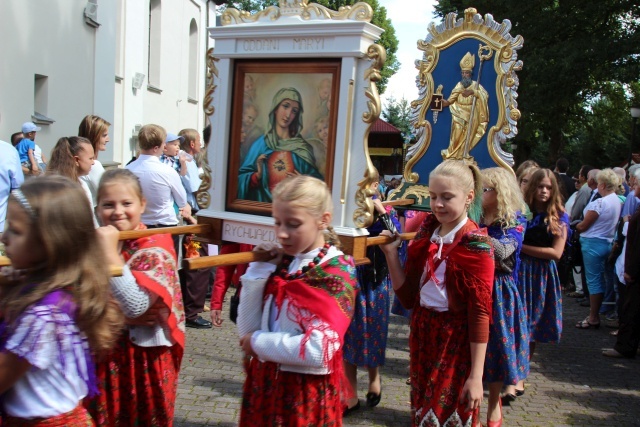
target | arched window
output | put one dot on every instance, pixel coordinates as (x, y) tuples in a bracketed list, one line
[(193, 60), (155, 10)]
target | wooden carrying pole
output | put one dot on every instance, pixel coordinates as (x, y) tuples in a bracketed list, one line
[(136, 234), (221, 260), (247, 257), (113, 270)]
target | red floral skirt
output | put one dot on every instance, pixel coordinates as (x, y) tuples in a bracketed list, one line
[(276, 398), (79, 417), (137, 385), (440, 364)]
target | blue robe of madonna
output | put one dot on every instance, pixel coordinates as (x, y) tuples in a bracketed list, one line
[(261, 192)]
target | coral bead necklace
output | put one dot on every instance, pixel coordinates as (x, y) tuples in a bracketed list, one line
[(283, 271)]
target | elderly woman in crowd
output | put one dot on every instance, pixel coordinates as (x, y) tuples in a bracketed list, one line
[(597, 230)]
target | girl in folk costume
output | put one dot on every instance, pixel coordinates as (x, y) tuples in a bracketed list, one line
[(447, 281), (55, 306), (138, 381), (507, 359), (365, 343), (538, 281), (294, 312)]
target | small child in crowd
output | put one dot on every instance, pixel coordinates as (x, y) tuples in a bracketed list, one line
[(294, 312), (138, 381), (26, 148), (56, 308), (172, 155), (447, 281)]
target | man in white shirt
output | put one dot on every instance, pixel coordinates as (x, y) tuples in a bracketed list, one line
[(11, 177), (161, 185)]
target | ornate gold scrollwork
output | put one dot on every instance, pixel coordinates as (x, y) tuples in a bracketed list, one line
[(360, 11), (417, 192), (363, 215), (202, 195), (233, 16)]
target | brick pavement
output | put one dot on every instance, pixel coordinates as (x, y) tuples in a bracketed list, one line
[(570, 383)]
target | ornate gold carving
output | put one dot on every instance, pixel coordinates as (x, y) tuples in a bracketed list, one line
[(360, 11), (417, 192), (363, 215), (439, 37), (202, 195), (233, 16), (212, 70)]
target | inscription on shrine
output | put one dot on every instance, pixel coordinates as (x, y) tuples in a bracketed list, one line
[(261, 45), (308, 43)]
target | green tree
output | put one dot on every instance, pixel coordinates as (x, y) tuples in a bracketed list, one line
[(388, 39), (398, 114), (573, 51)]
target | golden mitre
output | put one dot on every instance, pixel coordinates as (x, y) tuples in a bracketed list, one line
[(468, 62)]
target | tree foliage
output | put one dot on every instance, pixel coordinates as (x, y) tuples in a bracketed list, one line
[(398, 113), (580, 56), (388, 39)]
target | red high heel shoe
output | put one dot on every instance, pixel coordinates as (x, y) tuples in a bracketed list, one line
[(496, 423)]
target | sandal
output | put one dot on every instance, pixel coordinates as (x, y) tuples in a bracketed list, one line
[(614, 333), (585, 324)]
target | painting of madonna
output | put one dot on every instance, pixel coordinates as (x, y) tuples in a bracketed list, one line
[(281, 152)]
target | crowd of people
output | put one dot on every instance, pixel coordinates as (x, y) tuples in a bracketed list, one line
[(80, 347)]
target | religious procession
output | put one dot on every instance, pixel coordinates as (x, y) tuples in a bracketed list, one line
[(244, 231)]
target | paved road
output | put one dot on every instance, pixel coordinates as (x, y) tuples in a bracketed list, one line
[(570, 383)]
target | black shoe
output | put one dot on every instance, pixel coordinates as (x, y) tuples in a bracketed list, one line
[(199, 323), (507, 398), (349, 411), (373, 399)]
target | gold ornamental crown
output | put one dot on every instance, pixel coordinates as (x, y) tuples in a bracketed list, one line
[(468, 62)]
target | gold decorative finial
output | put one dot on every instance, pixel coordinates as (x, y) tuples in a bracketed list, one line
[(468, 62)]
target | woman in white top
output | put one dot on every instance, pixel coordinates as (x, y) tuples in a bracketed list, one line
[(96, 130), (597, 230)]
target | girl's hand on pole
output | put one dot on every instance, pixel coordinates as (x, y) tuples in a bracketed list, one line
[(391, 247), (108, 238), (274, 250)]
